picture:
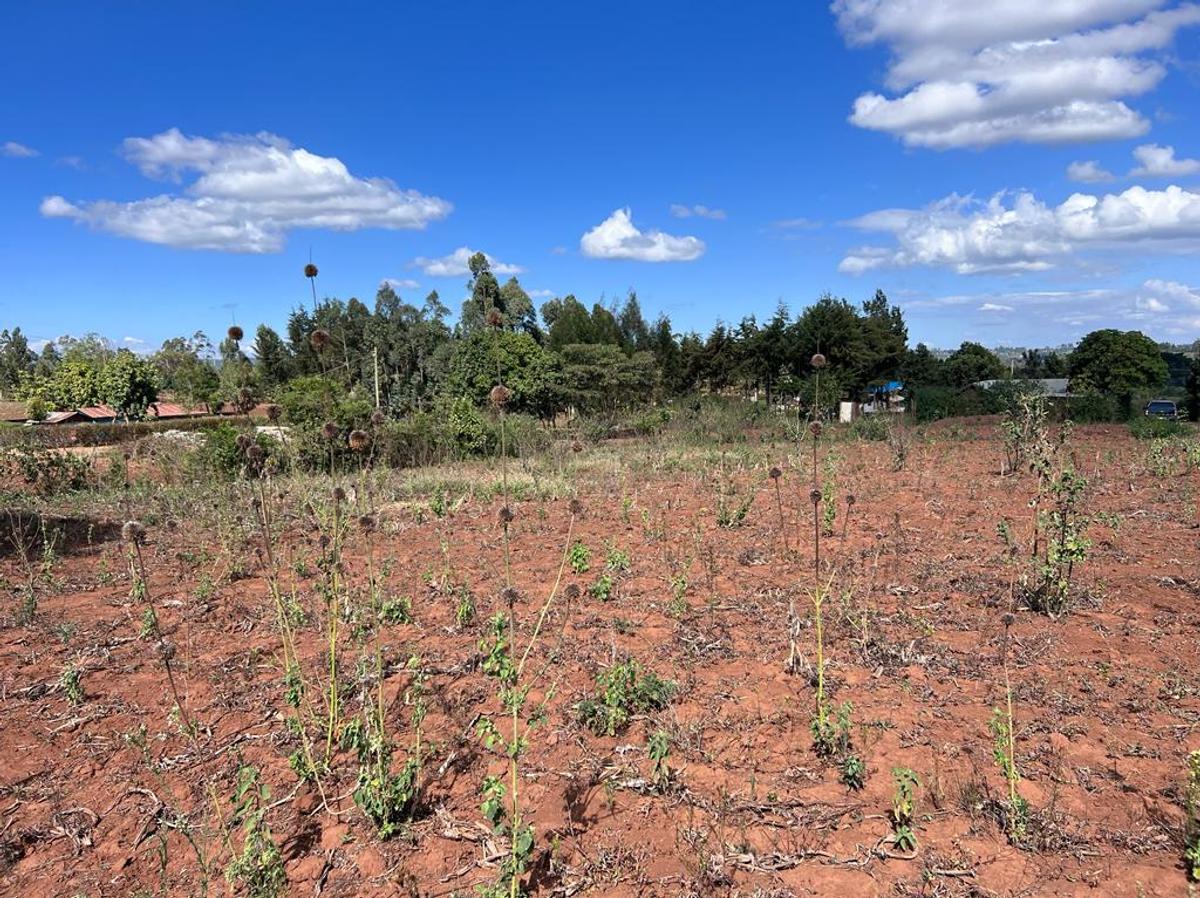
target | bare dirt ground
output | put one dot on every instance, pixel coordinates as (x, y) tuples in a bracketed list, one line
[(109, 796)]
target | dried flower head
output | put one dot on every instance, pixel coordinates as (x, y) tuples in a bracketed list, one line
[(378, 418), (572, 592), (576, 446), (815, 428), (235, 333), (850, 500), (323, 541), (310, 270), (243, 441), (255, 453), (319, 339), (499, 395), (818, 361), (575, 507), (366, 522), (774, 473), (274, 412), (329, 430), (494, 318), (358, 440), (505, 515), (1008, 620), (815, 496), (165, 649), (339, 494), (510, 595), (133, 532)]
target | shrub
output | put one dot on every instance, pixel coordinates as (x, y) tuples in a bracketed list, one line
[(624, 690), (48, 471), (1157, 428), (871, 428), (1093, 408)]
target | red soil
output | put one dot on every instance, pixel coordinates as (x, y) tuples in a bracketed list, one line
[(1107, 699)]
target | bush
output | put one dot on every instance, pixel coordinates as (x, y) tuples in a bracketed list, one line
[(1093, 408), (220, 455), (1157, 428), (871, 428), (48, 471)]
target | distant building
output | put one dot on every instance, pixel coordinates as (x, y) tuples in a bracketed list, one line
[(1051, 387)]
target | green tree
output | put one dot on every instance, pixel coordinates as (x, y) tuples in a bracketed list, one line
[(128, 384), (971, 363), (272, 360), (921, 368), (16, 359), (184, 369), (599, 377), (1117, 363), (568, 322), (530, 372)]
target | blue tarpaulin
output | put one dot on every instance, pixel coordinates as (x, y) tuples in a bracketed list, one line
[(892, 386)]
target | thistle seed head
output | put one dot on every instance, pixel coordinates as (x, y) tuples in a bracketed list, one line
[(505, 515), (378, 418), (358, 440), (339, 494), (165, 649), (575, 507), (499, 395), (510, 595), (274, 412), (310, 270), (133, 532), (235, 333), (255, 453), (814, 496), (243, 441), (329, 430), (818, 361), (815, 429), (576, 446), (850, 500), (319, 339), (774, 473), (367, 523), (572, 592)]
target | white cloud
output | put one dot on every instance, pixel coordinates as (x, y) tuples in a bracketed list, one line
[(617, 238), (17, 150), (250, 191), (456, 264), (1023, 233), (132, 341), (75, 162), (1163, 309), (1160, 162), (796, 224), (1089, 172), (699, 211), (541, 294), (1039, 71), (399, 284)]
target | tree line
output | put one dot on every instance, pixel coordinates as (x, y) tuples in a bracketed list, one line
[(405, 358)]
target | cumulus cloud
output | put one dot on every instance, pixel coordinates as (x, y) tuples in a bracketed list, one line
[(699, 211), (17, 150), (1089, 172), (399, 284), (1160, 162), (248, 192), (1019, 232), (1164, 309), (456, 264), (1038, 71), (618, 238)]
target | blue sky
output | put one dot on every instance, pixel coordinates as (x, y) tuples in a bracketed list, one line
[(1021, 177)]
